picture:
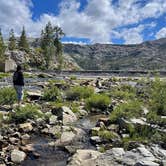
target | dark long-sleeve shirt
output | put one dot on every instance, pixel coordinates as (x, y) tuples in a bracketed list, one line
[(18, 78)]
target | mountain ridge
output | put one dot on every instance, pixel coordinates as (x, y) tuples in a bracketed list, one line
[(150, 55)]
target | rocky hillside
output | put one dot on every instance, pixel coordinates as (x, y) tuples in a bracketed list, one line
[(148, 55)]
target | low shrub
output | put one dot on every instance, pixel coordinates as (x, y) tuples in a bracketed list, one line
[(2, 75), (99, 101), (119, 94), (21, 114), (126, 110), (153, 118), (79, 92), (73, 77), (107, 135), (124, 92), (7, 95), (157, 100), (51, 94), (74, 107)]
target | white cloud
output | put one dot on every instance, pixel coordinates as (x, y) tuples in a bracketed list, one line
[(97, 21), (74, 42), (133, 35), (161, 33)]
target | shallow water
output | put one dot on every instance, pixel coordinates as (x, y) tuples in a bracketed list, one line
[(89, 121), (49, 156), (57, 156)]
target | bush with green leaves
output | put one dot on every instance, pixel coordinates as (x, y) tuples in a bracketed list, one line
[(98, 101), (126, 110), (143, 134), (124, 92), (2, 75), (21, 114), (153, 118), (107, 135), (51, 93), (7, 95), (158, 97), (79, 92)]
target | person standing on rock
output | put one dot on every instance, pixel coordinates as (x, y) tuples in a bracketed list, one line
[(18, 82)]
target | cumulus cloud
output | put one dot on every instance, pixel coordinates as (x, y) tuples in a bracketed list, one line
[(97, 21), (161, 33)]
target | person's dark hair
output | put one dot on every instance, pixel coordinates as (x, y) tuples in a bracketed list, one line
[(19, 68)]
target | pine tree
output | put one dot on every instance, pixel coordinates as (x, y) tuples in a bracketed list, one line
[(51, 44), (58, 45), (47, 44), (2, 47), (12, 41), (23, 43)]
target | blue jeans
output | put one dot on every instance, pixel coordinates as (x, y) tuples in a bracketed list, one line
[(19, 91)]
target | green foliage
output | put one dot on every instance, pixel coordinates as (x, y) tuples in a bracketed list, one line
[(107, 135), (7, 95), (74, 107), (51, 44), (21, 114), (79, 92), (2, 75), (102, 149), (23, 42), (59, 49), (12, 41), (99, 101), (73, 77), (29, 75), (153, 118), (124, 92), (158, 97), (51, 93), (126, 110), (2, 47)]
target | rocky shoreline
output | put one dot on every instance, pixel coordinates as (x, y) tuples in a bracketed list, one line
[(67, 135)]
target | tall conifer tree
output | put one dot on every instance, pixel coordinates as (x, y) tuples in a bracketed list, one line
[(12, 41), (51, 44), (2, 46), (23, 42)]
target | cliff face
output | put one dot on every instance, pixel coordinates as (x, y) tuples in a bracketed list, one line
[(148, 55)]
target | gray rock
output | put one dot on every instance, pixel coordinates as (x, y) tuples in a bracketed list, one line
[(83, 112), (54, 130), (17, 156), (68, 115), (26, 127), (67, 137), (53, 119), (158, 152), (84, 157), (146, 163), (118, 152), (95, 140)]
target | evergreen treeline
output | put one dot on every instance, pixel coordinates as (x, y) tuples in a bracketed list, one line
[(50, 48)]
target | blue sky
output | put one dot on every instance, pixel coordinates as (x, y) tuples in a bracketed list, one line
[(88, 21)]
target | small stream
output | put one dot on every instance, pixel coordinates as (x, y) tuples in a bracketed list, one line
[(56, 156), (49, 156)]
